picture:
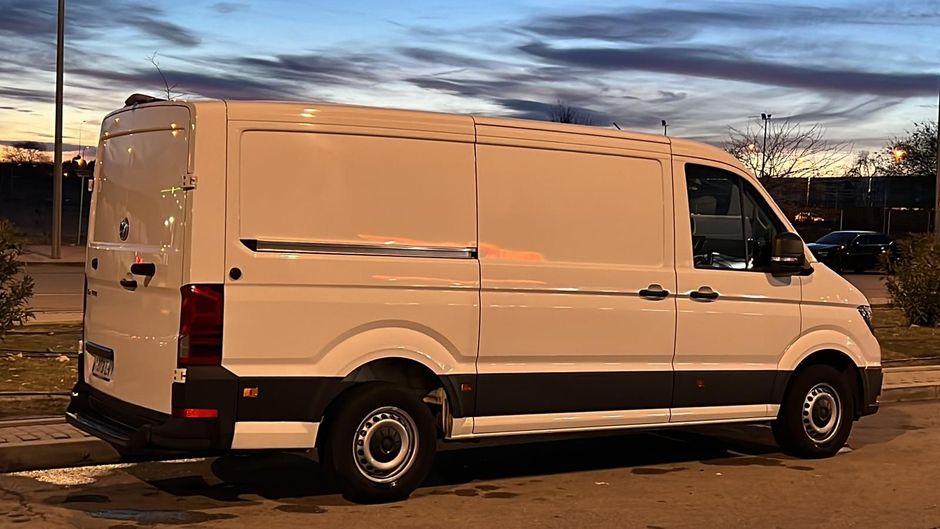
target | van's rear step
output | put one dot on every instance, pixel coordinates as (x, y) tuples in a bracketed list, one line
[(130, 427)]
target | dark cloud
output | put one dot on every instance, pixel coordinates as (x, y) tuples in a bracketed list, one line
[(317, 69), (192, 84), (479, 88), (732, 65), (666, 24), (228, 7), (89, 150), (163, 30), (444, 58), (36, 21), (842, 110), (528, 109), (26, 94)]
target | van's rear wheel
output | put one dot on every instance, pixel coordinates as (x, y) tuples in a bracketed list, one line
[(816, 416), (380, 443)]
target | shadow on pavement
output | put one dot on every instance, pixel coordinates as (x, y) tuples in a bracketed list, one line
[(178, 492)]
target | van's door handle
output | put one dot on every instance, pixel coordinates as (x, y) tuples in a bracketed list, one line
[(129, 284), (654, 292), (144, 269), (703, 294)]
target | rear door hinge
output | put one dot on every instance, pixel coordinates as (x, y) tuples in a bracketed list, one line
[(189, 181), (179, 375)]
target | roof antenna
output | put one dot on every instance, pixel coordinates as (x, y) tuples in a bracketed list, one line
[(665, 127), (616, 125)]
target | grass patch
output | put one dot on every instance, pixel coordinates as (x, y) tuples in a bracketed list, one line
[(902, 343), (42, 338), (38, 359)]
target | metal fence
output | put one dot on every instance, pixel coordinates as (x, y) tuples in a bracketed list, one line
[(897, 205)]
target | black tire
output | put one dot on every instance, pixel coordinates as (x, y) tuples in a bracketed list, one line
[(814, 390), (381, 413)]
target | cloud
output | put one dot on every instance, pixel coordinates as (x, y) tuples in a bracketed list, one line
[(445, 58), (317, 69), (166, 31), (86, 19), (27, 94), (668, 96), (192, 84), (228, 7), (844, 110), (528, 109), (668, 24), (732, 65)]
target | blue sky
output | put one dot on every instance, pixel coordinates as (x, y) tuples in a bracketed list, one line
[(863, 69)]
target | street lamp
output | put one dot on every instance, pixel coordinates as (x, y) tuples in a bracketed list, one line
[(763, 157), (57, 158), (81, 184)]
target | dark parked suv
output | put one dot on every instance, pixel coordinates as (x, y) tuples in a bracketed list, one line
[(853, 250)]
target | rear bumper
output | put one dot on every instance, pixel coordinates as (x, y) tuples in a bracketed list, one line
[(872, 378), (130, 427)]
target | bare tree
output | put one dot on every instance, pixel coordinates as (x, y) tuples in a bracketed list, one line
[(865, 165), (26, 152), (564, 113), (789, 149), (168, 89)]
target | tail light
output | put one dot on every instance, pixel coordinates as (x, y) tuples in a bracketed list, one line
[(200, 342), (195, 413)]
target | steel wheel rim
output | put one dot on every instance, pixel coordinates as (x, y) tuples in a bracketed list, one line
[(822, 413), (385, 445)]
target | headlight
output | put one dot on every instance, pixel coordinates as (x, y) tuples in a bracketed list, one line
[(865, 312)]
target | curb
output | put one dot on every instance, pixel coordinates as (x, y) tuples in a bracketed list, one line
[(57, 454), (909, 384), (29, 262)]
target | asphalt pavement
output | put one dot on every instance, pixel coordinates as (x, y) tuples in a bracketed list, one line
[(712, 477), (57, 295)]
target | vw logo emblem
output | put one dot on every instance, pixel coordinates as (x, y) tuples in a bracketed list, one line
[(124, 228)]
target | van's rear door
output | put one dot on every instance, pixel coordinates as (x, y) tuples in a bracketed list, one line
[(138, 216)]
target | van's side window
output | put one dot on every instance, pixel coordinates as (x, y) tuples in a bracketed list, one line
[(732, 225)]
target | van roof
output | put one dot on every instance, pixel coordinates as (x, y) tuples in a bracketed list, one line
[(291, 111)]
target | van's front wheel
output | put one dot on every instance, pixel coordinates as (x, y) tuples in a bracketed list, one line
[(380, 443), (816, 416)]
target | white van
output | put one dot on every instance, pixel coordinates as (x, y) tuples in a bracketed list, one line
[(281, 276)]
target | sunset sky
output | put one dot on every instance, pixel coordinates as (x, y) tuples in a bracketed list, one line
[(864, 69)]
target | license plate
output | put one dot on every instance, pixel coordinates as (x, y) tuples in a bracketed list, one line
[(102, 367)]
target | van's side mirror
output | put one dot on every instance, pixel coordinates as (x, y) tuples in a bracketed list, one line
[(788, 257)]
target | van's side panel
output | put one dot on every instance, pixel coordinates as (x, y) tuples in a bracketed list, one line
[(354, 243), (572, 228)]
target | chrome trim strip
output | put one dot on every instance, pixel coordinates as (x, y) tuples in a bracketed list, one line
[(379, 250)]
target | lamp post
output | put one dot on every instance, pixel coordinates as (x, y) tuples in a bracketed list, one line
[(936, 203), (57, 158), (81, 184), (763, 154)]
